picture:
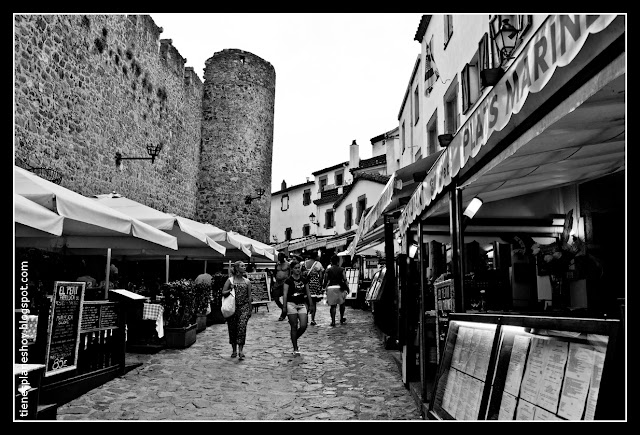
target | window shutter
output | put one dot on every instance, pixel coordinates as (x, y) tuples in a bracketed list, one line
[(483, 53), (465, 88)]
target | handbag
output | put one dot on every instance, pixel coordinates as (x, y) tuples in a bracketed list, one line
[(228, 306)]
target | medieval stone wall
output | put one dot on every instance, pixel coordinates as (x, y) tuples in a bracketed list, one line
[(237, 143), (87, 86)]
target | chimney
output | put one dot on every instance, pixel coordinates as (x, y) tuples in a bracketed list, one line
[(283, 185), (354, 155)]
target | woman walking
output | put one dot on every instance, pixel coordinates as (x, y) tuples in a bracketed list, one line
[(295, 294), (314, 275), (237, 323), (335, 280)]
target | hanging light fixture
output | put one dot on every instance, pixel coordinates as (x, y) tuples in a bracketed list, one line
[(312, 219), (473, 207), (504, 36), (152, 150), (247, 199)]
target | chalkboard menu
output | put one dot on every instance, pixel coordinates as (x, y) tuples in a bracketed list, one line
[(64, 327), (259, 286), (98, 315), (108, 316)]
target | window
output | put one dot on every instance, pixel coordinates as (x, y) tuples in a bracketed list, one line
[(452, 116), (328, 217), (418, 155), (361, 206), (284, 202), (323, 182), (416, 105), (470, 83), (348, 217), (448, 29), (306, 197), (287, 234), (403, 135), (432, 134), (339, 178), (306, 230)]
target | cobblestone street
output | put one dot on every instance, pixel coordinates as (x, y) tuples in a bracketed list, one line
[(343, 373)]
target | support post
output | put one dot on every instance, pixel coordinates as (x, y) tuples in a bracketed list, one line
[(106, 279), (457, 246)]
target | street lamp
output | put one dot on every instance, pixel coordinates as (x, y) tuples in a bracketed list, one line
[(505, 36), (312, 218)]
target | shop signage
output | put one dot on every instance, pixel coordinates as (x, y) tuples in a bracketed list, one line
[(64, 327), (259, 287), (555, 44)]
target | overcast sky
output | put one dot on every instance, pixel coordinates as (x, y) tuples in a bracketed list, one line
[(339, 77)]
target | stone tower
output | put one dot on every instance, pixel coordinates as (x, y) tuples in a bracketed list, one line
[(237, 143)]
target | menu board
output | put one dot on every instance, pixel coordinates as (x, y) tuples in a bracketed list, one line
[(259, 287), (90, 317), (108, 316), (98, 315), (64, 327)]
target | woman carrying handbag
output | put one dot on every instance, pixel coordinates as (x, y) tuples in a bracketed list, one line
[(237, 323)]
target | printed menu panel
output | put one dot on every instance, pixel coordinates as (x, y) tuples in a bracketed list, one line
[(259, 286)]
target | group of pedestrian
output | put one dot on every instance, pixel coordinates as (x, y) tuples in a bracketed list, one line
[(297, 288)]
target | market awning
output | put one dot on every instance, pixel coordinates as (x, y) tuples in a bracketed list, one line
[(578, 139), (401, 185), (85, 225), (340, 240), (294, 245)]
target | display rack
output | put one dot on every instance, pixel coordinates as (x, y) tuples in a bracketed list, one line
[(504, 367)]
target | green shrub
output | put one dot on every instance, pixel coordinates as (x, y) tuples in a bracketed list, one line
[(179, 302)]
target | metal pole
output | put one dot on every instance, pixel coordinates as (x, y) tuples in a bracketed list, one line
[(422, 332), (166, 267), (106, 279), (457, 245)]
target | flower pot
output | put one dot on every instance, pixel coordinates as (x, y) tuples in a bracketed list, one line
[(491, 76), (201, 322), (180, 337)]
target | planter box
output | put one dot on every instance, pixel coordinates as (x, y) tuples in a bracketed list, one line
[(180, 338), (201, 322)]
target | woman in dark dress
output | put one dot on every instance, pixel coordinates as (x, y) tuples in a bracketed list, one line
[(237, 323)]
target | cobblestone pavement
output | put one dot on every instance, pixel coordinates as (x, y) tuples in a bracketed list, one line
[(343, 373)]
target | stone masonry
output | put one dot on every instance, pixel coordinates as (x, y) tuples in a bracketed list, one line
[(237, 138), (88, 86)]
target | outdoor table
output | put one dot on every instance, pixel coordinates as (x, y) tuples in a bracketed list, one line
[(154, 312)]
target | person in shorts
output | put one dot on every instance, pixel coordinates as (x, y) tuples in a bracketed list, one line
[(295, 295), (282, 271)]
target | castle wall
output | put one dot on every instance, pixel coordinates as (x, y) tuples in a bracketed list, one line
[(237, 143), (87, 86)]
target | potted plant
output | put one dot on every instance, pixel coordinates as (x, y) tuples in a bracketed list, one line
[(202, 295), (179, 312)]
